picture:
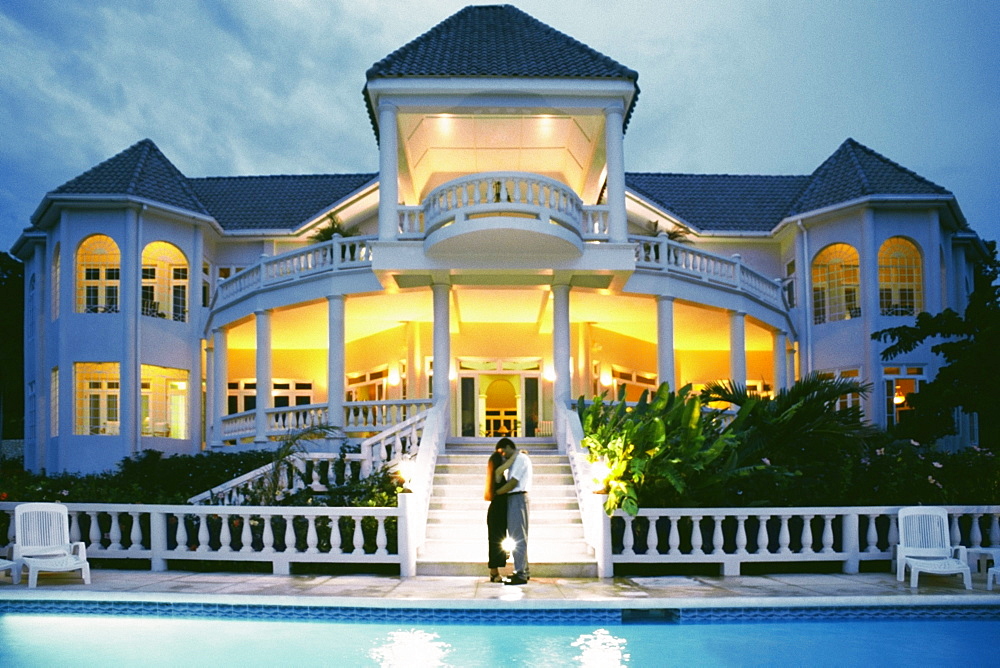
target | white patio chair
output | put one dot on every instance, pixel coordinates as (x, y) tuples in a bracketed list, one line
[(41, 542), (925, 546), (992, 575), (15, 573)]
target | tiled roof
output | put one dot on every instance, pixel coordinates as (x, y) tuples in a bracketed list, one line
[(724, 202), (274, 202), (720, 202), (854, 171), (141, 170), (497, 41)]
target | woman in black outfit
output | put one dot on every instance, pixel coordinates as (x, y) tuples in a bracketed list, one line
[(496, 516)]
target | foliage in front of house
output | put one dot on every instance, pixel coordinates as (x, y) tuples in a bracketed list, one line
[(795, 449)]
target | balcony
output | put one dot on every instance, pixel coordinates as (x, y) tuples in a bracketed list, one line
[(503, 209)]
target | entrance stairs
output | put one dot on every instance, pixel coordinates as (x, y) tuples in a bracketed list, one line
[(456, 541)]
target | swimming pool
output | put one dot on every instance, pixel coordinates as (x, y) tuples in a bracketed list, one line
[(499, 637)]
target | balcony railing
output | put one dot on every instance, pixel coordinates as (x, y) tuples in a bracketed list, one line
[(513, 194), (659, 253)]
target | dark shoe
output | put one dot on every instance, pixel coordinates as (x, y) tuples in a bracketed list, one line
[(496, 578), (516, 580)]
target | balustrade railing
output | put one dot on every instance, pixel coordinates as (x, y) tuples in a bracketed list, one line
[(362, 416), (659, 253), (338, 253)]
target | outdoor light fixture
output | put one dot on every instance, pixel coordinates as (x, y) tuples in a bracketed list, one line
[(606, 378), (394, 376), (899, 398), (549, 373), (508, 544)]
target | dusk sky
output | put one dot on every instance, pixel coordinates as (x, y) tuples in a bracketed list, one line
[(256, 87)]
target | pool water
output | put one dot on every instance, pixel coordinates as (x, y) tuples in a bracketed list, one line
[(31, 640)]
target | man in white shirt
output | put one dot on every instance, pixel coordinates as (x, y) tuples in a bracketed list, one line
[(516, 489)]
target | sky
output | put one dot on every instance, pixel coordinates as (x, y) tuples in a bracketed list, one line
[(234, 87)]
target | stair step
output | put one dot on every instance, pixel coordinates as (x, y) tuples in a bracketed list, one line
[(477, 533)]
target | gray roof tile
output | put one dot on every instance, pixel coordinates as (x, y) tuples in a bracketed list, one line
[(141, 170), (274, 202)]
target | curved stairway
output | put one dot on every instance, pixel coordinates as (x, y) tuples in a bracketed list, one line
[(456, 522)]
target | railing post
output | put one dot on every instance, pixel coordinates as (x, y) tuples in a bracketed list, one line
[(605, 558), (405, 534), (158, 540), (849, 530)]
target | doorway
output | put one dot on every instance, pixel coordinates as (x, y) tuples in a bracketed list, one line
[(499, 398)]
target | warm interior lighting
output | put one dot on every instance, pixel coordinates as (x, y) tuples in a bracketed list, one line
[(606, 378), (549, 373), (394, 378), (899, 398)]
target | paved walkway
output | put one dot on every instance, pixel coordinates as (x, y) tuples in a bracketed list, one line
[(865, 589)]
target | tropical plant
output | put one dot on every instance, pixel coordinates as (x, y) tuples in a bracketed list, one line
[(800, 430), (331, 229), (661, 451), (968, 344)]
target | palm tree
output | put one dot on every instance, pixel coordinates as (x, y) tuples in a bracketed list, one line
[(800, 429)]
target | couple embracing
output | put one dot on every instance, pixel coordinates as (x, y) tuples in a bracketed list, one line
[(508, 483)]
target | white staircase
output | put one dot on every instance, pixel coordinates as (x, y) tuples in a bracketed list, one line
[(456, 523)]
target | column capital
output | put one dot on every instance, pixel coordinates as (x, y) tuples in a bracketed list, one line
[(385, 105)]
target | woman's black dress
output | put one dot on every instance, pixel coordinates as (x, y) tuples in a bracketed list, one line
[(496, 525)]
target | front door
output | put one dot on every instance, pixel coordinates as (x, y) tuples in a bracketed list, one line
[(499, 398)]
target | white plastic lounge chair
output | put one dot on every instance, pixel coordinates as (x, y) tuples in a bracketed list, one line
[(15, 573), (41, 542), (992, 575), (925, 546)]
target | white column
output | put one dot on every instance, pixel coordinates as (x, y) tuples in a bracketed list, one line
[(442, 348), (414, 370), (336, 366), (388, 167), (129, 399), (220, 384), (665, 341), (934, 297), (737, 347), (264, 383), (560, 354), (614, 136), (779, 342), (868, 268)]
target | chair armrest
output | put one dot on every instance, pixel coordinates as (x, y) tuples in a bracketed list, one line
[(80, 549), (961, 552)]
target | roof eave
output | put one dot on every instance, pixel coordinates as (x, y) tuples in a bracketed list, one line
[(911, 200), (63, 199)]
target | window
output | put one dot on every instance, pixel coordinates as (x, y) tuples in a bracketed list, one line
[(899, 382), (242, 394), (98, 275), (900, 278), (847, 400), (835, 279), (96, 389), (164, 291), (164, 401)]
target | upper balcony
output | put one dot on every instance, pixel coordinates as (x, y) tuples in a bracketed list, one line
[(494, 210)]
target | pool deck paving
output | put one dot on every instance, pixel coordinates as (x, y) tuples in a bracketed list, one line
[(625, 592)]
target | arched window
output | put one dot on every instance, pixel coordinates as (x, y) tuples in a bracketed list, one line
[(164, 282), (98, 275), (900, 278), (835, 284)]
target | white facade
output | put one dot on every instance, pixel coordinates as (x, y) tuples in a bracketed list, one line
[(501, 235)]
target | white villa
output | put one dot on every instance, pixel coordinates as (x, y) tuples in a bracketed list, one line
[(501, 263)]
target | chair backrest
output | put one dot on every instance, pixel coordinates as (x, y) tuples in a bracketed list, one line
[(40, 528), (923, 531)]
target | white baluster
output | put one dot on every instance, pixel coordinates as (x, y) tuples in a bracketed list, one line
[(182, 535), (358, 540), (136, 534), (696, 538), (827, 534), (995, 530), (74, 527), (381, 541), (225, 534), (717, 540), (336, 541), (95, 533), (762, 537), (246, 535), (871, 536), (116, 532), (312, 539), (289, 534), (807, 534), (741, 534), (268, 537), (203, 535), (893, 531), (956, 532), (975, 532), (784, 538), (675, 535), (316, 485), (627, 539)]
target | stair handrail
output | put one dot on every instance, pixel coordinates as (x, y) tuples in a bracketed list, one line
[(418, 478), (596, 525)]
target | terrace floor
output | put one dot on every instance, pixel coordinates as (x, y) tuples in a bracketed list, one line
[(789, 590)]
